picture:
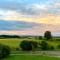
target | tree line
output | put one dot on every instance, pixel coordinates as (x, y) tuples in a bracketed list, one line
[(47, 35)]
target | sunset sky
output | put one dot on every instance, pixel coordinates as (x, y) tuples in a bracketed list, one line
[(29, 17)]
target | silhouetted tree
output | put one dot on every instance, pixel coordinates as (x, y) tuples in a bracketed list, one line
[(47, 35)]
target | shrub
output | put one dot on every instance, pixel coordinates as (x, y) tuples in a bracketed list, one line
[(58, 46), (52, 48), (34, 45), (44, 45), (4, 51), (28, 45)]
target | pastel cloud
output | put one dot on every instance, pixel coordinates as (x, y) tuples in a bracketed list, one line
[(41, 12), (35, 31), (51, 7), (16, 25), (30, 8)]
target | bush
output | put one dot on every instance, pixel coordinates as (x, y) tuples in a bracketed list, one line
[(58, 46), (44, 45), (52, 48), (34, 45), (4, 51), (28, 45)]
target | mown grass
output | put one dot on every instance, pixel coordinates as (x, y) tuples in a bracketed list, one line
[(31, 57)]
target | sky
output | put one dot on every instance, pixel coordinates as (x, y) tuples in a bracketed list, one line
[(29, 17)]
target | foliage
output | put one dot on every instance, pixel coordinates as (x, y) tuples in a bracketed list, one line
[(58, 46), (45, 46), (9, 36), (47, 35), (28, 45), (34, 44), (4, 51), (52, 48)]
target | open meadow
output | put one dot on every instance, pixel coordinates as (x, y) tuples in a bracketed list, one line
[(15, 42)]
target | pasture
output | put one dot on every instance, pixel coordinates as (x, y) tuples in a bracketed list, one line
[(15, 42)]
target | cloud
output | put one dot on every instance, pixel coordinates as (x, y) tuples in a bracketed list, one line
[(36, 15), (12, 15), (35, 31), (34, 9), (41, 9), (16, 25)]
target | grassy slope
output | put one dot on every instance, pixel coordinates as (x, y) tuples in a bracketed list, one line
[(14, 42), (30, 57), (10, 42)]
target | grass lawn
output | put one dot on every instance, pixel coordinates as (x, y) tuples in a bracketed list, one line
[(31, 57)]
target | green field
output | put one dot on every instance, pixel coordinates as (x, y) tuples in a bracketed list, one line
[(14, 42), (10, 42), (31, 57)]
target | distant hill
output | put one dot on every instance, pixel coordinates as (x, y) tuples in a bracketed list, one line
[(9, 36)]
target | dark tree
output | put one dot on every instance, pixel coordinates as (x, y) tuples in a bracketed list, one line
[(28, 45), (47, 35), (4, 51)]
